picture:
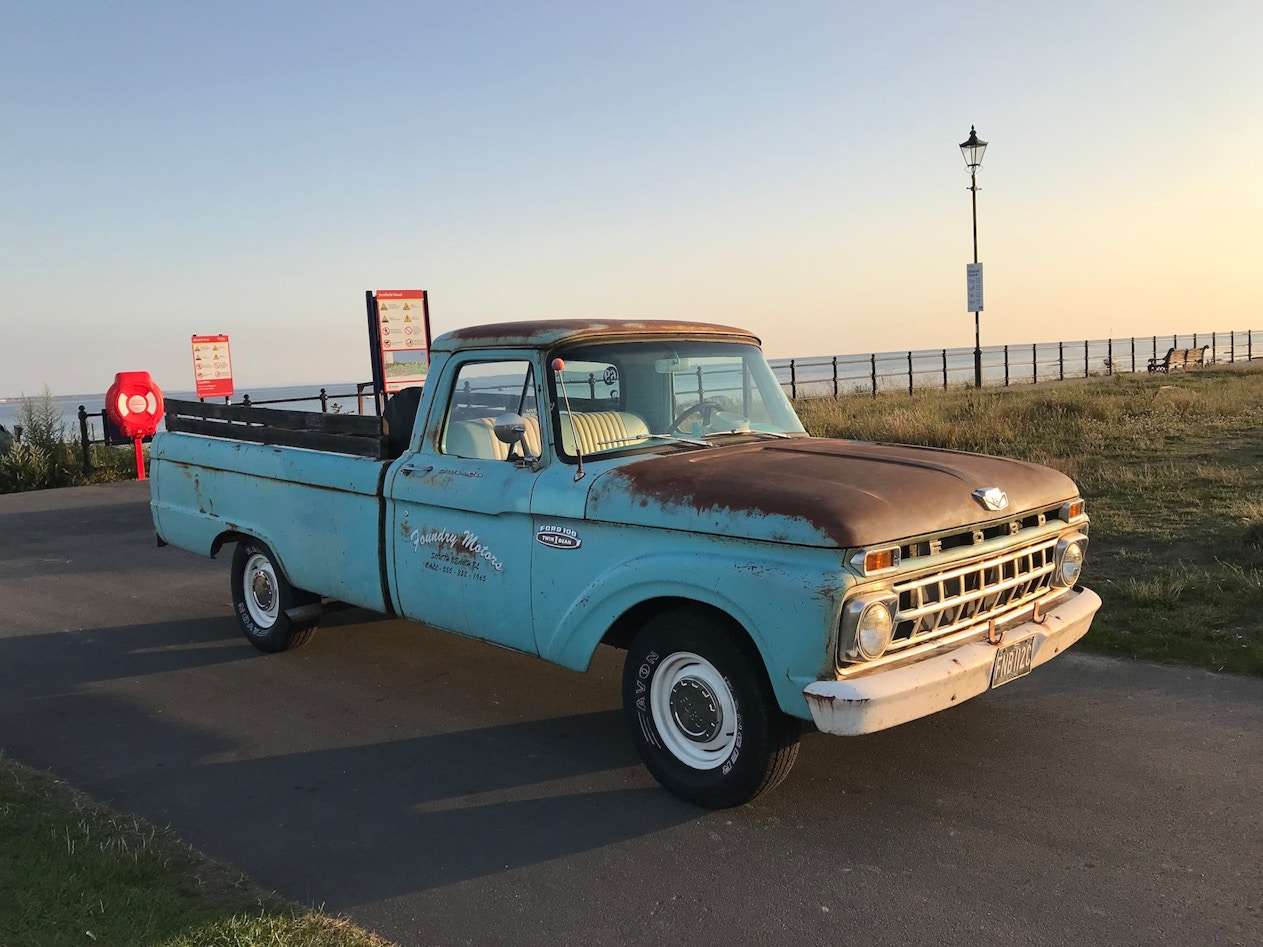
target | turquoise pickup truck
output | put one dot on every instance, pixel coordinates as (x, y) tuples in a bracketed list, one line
[(645, 485)]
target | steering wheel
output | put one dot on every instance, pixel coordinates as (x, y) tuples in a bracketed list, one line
[(707, 409)]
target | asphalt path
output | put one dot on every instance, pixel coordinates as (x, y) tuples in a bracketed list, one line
[(441, 791)]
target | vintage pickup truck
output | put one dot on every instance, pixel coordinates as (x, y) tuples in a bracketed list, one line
[(646, 485)]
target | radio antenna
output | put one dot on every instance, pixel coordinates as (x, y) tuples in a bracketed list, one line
[(559, 366)]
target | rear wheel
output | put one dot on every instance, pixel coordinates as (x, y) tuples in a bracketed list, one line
[(261, 595), (702, 713)]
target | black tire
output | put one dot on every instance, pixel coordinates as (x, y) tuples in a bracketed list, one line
[(702, 713), (261, 594)]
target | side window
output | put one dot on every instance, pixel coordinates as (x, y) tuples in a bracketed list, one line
[(483, 391)]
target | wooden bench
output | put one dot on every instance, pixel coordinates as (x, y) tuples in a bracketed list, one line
[(1179, 360)]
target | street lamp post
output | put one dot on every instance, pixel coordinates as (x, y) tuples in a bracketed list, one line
[(972, 149)]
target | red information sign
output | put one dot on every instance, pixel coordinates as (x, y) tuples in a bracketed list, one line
[(403, 331), (212, 366)]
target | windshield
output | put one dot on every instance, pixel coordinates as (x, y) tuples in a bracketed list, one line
[(643, 395)]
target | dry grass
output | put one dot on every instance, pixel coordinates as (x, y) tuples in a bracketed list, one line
[(1173, 475)]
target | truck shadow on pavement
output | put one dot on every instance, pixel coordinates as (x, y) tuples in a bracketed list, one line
[(386, 760), (116, 712), (359, 824)]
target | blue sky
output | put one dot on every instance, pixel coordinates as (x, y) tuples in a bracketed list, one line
[(171, 169)]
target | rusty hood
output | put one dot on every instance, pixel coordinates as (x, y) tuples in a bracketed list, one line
[(820, 491)]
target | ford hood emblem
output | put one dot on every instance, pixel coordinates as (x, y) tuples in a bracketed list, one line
[(992, 498)]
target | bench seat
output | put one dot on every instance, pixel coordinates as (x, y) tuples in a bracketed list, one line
[(601, 430), (1179, 360), (476, 438), (596, 431)]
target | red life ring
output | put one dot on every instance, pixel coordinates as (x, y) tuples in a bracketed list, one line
[(134, 404)]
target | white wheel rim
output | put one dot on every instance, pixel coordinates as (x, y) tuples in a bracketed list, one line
[(693, 710), (261, 591)]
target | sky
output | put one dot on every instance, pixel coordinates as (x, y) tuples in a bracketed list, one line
[(169, 169)]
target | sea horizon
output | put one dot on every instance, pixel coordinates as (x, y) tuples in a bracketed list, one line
[(342, 393)]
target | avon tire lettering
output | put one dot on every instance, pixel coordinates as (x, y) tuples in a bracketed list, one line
[(643, 673), (243, 616)]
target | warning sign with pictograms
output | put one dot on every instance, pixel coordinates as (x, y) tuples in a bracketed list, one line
[(403, 336), (212, 366)]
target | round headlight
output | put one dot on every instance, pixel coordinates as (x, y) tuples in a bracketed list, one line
[(873, 631), (1071, 564)]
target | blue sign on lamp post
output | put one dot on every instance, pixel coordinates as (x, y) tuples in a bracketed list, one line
[(973, 286)]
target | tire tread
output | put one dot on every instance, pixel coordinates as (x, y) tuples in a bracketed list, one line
[(284, 635), (700, 630)]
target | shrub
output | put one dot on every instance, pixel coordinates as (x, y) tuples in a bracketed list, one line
[(42, 458), (23, 467)]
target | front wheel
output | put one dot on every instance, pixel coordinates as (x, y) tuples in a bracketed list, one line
[(261, 595), (702, 713)]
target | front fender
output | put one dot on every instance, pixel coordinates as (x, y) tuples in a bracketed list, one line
[(787, 604)]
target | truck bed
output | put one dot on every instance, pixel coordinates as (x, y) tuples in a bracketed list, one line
[(307, 484), (354, 434)]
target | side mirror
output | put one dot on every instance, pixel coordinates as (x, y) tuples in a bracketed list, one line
[(510, 429)]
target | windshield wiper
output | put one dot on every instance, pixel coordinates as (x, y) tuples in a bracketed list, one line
[(636, 440), (774, 434), (693, 441)]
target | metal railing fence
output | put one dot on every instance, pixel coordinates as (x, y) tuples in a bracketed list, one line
[(324, 397), (878, 372), (1002, 365)]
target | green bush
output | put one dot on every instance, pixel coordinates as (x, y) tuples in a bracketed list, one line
[(42, 458), (47, 456), (41, 420), (24, 467)]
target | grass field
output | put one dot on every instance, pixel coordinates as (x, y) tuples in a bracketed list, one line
[(1172, 471), (75, 873)]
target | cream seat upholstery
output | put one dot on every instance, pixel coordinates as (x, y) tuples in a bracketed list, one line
[(596, 430), (476, 438), (602, 430)]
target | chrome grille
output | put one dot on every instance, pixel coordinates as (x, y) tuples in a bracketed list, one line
[(975, 535), (941, 603)]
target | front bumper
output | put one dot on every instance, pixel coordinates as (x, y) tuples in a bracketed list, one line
[(884, 699)]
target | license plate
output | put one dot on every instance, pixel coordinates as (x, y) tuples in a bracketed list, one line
[(1013, 661)]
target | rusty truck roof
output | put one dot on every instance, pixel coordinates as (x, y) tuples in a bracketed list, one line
[(549, 332)]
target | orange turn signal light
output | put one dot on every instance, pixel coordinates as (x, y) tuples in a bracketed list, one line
[(879, 560)]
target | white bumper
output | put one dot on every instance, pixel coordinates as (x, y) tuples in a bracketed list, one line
[(884, 699)]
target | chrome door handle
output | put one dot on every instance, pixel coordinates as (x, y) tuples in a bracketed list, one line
[(409, 469)]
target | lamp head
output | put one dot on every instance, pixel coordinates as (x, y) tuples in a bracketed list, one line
[(972, 149)]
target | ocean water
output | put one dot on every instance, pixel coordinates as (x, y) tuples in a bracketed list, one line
[(342, 394)]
